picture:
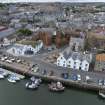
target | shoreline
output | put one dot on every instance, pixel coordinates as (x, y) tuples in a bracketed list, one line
[(76, 84)]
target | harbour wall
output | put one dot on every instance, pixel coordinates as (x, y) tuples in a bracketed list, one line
[(71, 83)]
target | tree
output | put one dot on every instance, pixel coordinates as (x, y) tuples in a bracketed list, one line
[(24, 32)]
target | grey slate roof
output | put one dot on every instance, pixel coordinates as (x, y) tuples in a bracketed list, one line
[(7, 32), (77, 55)]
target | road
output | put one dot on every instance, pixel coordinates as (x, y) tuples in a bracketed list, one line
[(59, 70), (43, 65)]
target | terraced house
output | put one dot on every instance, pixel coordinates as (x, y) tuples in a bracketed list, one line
[(75, 60)]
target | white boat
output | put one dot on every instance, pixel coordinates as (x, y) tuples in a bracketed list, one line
[(16, 78), (10, 79), (3, 73), (31, 85), (102, 94), (1, 76)]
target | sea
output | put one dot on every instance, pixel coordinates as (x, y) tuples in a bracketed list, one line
[(17, 94)]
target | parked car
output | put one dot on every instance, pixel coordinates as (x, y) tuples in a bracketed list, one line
[(100, 82), (74, 77), (78, 77), (65, 75)]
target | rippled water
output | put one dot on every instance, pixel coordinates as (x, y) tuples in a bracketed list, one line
[(16, 94)]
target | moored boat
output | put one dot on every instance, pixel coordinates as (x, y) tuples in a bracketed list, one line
[(1, 76), (12, 80), (102, 93), (57, 87), (3, 73), (31, 85), (16, 78)]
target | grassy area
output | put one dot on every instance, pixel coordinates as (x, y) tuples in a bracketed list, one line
[(25, 42)]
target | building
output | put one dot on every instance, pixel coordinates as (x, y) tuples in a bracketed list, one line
[(75, 60), (7, 32), (100, 62), (76, 44), (22, 50)]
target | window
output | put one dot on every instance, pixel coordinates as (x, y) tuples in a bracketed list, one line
[(61, 57), (69, 62), (64, 61), (74, 62), (85, 68), (74, 67), (86, 64), (64, 65), (58, 63), (68, 65)]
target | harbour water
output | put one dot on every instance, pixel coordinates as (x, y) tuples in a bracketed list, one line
[(16, 94)]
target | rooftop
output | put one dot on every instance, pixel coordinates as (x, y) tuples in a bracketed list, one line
[(100, 57)]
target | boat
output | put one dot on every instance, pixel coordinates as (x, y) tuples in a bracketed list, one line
[(102, 93), (31, 85), (33, 78), (1, 76), (3, 73), (11, 79), (57, 87), (16, 78)]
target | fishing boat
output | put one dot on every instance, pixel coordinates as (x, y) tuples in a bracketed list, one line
[(102, 93), (57, 87), (31, 85)]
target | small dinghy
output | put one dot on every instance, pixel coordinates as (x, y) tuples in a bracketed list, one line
[(57, 87)]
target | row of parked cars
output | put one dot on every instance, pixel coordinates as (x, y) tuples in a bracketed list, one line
[(74, 77), (10, 59)]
